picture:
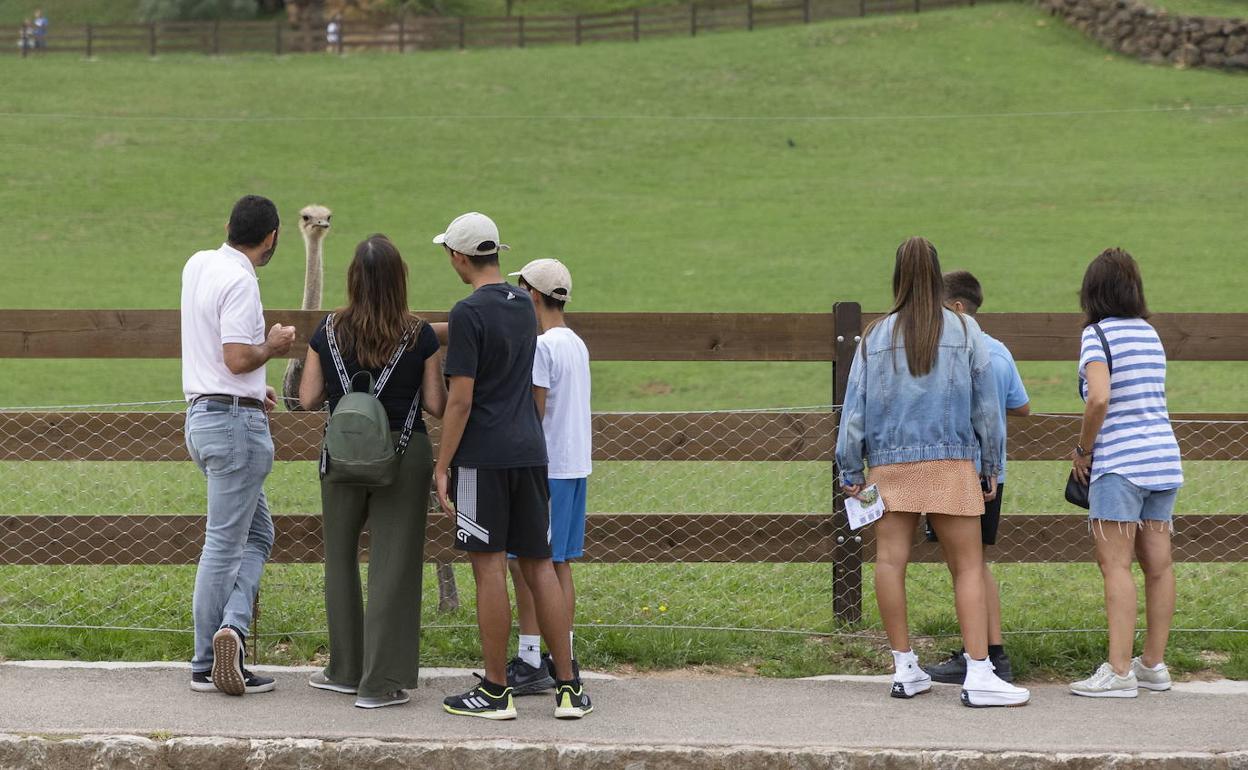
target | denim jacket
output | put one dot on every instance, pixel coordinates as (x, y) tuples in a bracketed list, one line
[(950, 413)]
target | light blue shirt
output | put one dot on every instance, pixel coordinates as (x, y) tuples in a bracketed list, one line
[(1010, 388)]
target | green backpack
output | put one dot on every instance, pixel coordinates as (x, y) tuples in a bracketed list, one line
[(358, 448)]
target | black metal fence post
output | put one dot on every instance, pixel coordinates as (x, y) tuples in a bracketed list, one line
[(151, 33), (520, 30), (277, 38), (342, 34), (402, 25), (693, 20), (847, 551), (749, 15), (636, 25), (216, 37), (577, 33), (461, 33), (90, 40), (805, 11)]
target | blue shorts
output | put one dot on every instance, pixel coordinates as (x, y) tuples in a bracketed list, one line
[(567, 518), (1113, 498)]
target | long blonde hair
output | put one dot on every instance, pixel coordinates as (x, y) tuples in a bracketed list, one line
[(918, 303)]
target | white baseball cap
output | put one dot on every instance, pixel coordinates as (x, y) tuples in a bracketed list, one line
[(473, 234), (548, 276)]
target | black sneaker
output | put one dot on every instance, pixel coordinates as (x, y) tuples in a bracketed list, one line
[(480, 702), (571, 700), (254, 683), (528, 680), (549, 663), (202, 682), (953, 670)]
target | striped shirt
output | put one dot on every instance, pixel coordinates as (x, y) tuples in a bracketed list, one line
[(1136, 440)]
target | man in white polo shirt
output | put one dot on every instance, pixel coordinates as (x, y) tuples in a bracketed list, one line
[(224, 350)]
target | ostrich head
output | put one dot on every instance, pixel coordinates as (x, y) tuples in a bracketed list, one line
[(314, 222)]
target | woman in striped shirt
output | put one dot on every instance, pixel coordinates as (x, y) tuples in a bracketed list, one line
[(1128, 452)]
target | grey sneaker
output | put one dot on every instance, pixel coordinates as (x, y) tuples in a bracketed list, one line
[(396, 698), (1155, 679), (322, 682), (1106, 683)]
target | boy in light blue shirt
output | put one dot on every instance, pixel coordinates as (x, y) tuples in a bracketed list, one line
[(963, 294)]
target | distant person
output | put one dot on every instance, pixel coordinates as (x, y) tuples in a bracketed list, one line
[(224, 350), (561, 388), (26, 36), (333, 34), (374, 651), (920, 405), (491, 468), (964, 295), (40, 28), (1127, 450)]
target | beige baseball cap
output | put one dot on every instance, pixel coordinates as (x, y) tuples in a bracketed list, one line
[(548, 276), (473, 234)]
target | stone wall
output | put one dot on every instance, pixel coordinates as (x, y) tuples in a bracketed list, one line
[(1137, 29)]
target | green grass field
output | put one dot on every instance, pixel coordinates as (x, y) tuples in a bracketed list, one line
[(771, 171)]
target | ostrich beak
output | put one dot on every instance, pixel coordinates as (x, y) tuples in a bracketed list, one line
[(321, 223)]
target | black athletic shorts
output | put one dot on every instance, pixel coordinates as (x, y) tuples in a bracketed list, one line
[(502, 509), (989, 523)]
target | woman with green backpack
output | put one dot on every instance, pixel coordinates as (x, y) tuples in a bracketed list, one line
[(375, 363)]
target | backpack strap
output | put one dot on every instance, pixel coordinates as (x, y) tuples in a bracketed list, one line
[(405, 435), (336, 355)]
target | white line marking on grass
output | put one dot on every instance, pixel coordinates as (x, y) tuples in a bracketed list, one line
[(667, 118)]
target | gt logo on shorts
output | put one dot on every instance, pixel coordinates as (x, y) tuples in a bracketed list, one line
[(461, 536)]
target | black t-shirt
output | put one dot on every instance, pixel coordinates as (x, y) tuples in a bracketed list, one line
[(404, 382), (492, 338)]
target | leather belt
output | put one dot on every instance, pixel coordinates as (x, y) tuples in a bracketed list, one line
[(250, 403)]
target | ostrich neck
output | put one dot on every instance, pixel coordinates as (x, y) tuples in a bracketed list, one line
[(314, 275)]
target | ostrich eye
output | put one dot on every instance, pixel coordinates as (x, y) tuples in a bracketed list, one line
[(306, 217)]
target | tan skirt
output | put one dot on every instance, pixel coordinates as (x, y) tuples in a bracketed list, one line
[(932, 486)]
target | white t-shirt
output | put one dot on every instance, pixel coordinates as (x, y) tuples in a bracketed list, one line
[(562, 366), (220, 304)]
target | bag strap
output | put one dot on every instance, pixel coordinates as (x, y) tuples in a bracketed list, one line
[(336, 355), (409, 424), (1109, 354)]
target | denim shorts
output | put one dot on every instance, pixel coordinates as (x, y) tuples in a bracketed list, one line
[(1113, 498)]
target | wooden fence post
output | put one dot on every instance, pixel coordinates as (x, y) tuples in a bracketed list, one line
[(805, 11), (277, 38), (693, 20), (847, 551), (216, 37), (448, 590), (90, 40), (151, 42), (749, 15), (636, 25), (461, 33), (577, 33), (916, 6), (402, 24), (862, 7), (520, 30), (342, 34)]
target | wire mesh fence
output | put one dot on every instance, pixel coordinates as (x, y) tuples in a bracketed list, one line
[(699, 521)]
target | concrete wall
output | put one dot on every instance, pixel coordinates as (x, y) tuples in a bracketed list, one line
[(1136, 29)]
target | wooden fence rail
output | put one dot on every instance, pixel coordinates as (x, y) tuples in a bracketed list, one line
[(408, 32), (803, 436)]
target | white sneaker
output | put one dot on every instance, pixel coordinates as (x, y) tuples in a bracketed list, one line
[(1155, 679), (909, 679), (1106, 683), (982, 688)]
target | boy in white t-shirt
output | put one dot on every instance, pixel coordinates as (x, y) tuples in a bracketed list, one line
[(561, 391)]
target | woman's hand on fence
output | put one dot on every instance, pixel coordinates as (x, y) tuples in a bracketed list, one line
[(1081, 465)]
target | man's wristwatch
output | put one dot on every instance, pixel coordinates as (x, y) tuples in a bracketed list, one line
[(1079, 450)]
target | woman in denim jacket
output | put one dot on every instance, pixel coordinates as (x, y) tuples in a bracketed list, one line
[(919, 411)]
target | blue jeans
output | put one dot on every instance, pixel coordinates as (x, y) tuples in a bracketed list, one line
[(233, 448)]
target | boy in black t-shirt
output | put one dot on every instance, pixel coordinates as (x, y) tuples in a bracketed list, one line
[(491, 469)]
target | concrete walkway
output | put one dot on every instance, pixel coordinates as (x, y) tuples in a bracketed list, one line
[(784, 715)]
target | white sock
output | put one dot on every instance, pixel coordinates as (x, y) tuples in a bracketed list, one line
[(1157, 667), (572, 644), (531, 649)]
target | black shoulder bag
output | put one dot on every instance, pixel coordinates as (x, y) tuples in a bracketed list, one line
[(1076, 490)]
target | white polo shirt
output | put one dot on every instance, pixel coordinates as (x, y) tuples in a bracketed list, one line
[(220, 304)]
